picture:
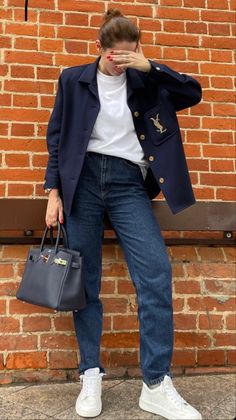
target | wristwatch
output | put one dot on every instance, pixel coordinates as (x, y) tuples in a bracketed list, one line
[(47, 190)]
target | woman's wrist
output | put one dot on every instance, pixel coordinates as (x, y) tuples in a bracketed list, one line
[(147, 67)]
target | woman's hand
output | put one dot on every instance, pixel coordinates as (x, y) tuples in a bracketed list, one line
[(135, 59), (54, 209)]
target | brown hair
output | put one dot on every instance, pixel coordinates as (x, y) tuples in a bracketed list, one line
[(115, 28)]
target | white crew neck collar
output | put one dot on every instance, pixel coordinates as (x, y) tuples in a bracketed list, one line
[(111, 78)]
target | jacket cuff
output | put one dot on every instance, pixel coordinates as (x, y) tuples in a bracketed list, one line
[(161, 72), (51, 183)]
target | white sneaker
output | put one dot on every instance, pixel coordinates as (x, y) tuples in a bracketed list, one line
[(89, 402), (166, 401)]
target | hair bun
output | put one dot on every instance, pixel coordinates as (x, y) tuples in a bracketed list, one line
[(112, 13)]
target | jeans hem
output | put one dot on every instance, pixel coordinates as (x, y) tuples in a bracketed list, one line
[(157, 380), (81, 371)]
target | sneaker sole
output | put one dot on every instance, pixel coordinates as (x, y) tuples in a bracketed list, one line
[(152, 408), (93, 413)]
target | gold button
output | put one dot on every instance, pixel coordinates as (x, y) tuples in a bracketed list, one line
[(142, 137), (151, 158), (161, 180), (136, 114)]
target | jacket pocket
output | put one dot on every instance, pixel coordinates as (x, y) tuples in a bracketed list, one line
[(161, 123)]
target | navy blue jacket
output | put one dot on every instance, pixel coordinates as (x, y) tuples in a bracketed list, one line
[(153, 99)]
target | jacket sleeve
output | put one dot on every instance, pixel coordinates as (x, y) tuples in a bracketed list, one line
[(52, 179), (185, 91)]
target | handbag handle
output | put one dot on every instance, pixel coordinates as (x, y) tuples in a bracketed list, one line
[(60, 228)]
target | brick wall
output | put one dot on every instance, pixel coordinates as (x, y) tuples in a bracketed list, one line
[(58, 34), (37, 344)]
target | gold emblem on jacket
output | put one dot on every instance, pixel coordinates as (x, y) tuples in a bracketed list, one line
[(159, 127)]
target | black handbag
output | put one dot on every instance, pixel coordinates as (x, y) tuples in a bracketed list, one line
[(53, 276)]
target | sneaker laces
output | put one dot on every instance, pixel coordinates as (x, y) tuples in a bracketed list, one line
[(170, 390), (91, 384)]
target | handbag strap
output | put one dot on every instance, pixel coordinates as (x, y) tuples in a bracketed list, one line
[(60, 228)]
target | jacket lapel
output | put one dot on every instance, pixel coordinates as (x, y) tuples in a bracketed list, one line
[(88, 76), (134, 79)]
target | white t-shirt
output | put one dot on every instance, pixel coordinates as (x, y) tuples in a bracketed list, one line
[(114, 133)]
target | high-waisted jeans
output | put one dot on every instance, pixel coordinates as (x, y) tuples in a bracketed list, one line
[(116, 185)]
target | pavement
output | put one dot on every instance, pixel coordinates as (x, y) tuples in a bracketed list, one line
[(213, 395)]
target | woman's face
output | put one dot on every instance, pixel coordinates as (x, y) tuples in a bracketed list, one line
[(107, 66)]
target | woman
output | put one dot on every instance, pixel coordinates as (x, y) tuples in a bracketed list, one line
[(114, 142)]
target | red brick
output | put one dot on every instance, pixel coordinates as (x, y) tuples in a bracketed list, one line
[(179, 13), (176, 40), (1, 362), (81, 6), (112, 305), (178, 304), (183, 358), (44, 4), (30, 101), (18, 342), (231, 322), (216, 137), (9, 324), (50, 17), (231, 357), (230, 253), (125, 286), (6, 270), (28, 86), (211, 270), (210, 322), (217, 16), (26, 57), (114, 269), (58, 341), (108, 287), (120, 340), (63, 323), (224, 287), (29, 360), (125, 322), (23, 43), (22, 129), (187, 287), (19, 307), (223, 340), (2, 306), (222, 165), (20, 190), (63, 360), (191, 339), (76, 47), (221, 82), (8, 288), (17, 160), (226, 194), (183, 253), (185, 322), (210, 357), (15, 251), (36, 323), (211, 303), (218, 4), (127, 358)]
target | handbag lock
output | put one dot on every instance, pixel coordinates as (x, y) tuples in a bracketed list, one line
[(60, 261)]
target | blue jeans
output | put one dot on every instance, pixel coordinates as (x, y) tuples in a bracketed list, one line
[(116, 185)]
